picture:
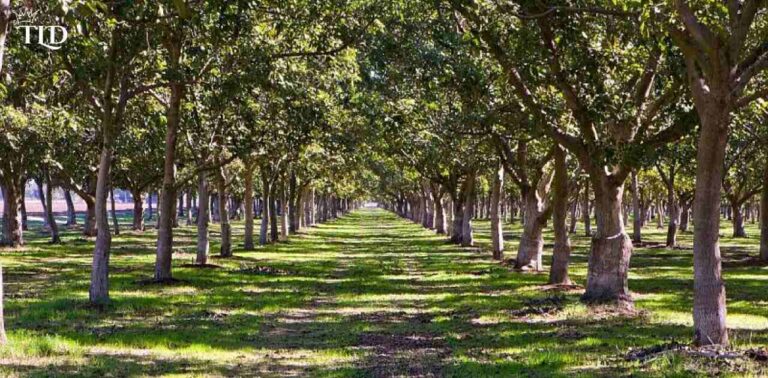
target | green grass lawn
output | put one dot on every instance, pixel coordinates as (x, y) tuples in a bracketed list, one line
[(366, 295)]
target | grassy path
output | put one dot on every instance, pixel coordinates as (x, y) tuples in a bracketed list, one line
[(366, 295)]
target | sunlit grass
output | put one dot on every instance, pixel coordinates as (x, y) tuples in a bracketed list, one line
[(366, 295)]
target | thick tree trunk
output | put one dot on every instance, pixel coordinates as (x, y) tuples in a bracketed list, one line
[(738, 220), (531, 247), (438, 195), (203, 219), (71, 213), (637, 216), (90, 226), (13, 234), (561, 254), (497, 232), (709, 311), (611, 246), (138, 211), (467, 239)]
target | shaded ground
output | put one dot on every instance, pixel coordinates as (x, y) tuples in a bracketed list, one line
[(366, 295)]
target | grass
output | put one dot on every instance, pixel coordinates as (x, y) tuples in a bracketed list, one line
[(366, 295)]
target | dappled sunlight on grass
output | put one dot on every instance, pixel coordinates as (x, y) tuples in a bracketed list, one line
[(365, 295)]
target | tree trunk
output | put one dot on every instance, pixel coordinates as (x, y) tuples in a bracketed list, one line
[(685, 215), (189, 208), (737, 220), (43, 202), (674, 216), (709, 310), (637, 216), (49, 212), (458, 216), (203, 219), (265, 200), (115, 222), (226, 227), (24, 223), (764, 217), (248, 198), (149, 206), (283, 214), (497, 232), (274, 232), (611, 246), (572, 227), (89, 226), (531, 247), (561, 254), (13, 234), (99, 290), (164, 256), (437, 203), (71, 213), (585, 210), (469, 211), (138, 211)]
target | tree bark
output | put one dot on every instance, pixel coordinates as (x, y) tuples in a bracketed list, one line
[(138, 211), (164, 256), (226, 227), (90, 226), (265, 188), (561, 254), (738, 220), (611, 246), (115, 222), (71, 213), (13, 234), (43, 202), (531, 247), (283, 214), (764, 217), (497, 232), (55, 239), (189, 208), (203, 219), (637, 216), (674, 216), (467, 239), (248, 198), (585, 210)]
